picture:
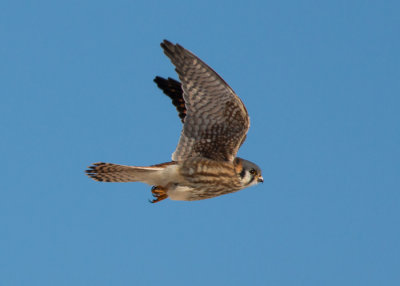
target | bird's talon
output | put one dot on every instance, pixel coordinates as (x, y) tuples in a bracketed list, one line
[(158, 193)]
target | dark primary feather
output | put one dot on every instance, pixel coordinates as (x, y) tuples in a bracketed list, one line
[(173, 89), (216, 120)]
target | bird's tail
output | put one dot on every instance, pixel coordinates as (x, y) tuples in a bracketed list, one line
[(108, 172)]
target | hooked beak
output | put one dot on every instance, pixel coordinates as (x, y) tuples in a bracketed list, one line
[(260, 179)]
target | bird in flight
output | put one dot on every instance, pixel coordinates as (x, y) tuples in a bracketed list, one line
[(215, 123)]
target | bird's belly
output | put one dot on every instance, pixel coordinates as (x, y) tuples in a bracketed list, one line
[(188, 193), (180, 193)]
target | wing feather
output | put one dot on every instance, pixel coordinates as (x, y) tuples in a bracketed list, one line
[(216, 120), (173, 90)]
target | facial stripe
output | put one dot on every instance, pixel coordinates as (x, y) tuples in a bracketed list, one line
[(251, 180)]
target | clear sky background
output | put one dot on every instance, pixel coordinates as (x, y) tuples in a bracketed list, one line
[(320, 80)]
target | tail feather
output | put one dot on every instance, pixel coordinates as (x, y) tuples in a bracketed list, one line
[(108, 172)]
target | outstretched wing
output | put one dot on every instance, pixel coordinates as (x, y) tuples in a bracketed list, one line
[(216, 120)]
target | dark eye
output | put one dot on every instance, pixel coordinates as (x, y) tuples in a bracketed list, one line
[(253, 171)]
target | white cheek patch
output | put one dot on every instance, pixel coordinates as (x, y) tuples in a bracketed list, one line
[(248, 179)]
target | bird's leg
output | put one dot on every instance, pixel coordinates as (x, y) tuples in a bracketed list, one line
[(159, 193)]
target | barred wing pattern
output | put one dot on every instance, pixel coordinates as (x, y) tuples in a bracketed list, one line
[(216, 120)]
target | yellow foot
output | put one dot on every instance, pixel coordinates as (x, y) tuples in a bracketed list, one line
[(159, 194)]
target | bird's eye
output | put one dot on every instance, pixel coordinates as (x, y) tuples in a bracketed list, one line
[(252, 171)]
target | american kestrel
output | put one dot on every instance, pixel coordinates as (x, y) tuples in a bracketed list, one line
[(215, 122)]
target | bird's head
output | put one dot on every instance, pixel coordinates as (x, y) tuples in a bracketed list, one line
[(249, 173)]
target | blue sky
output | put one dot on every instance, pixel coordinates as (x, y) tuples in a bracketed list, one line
[(320, 80)]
